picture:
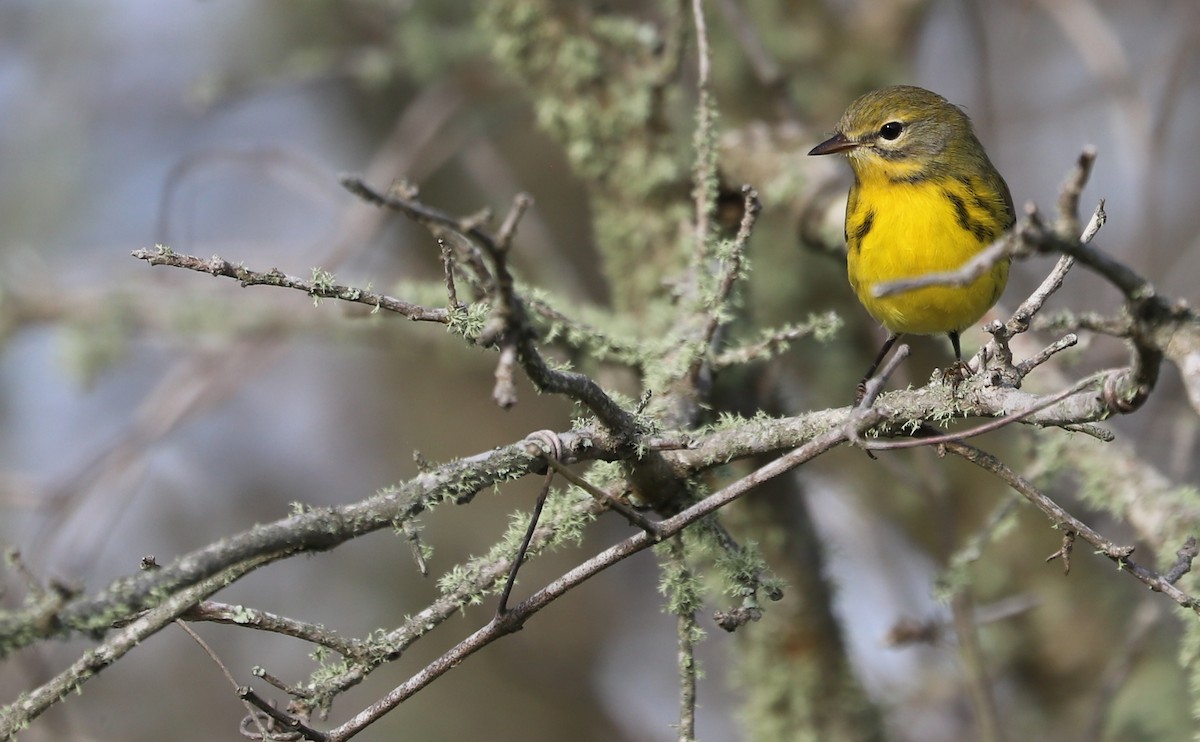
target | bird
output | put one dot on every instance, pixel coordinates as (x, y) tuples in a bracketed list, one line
[(925, 199)]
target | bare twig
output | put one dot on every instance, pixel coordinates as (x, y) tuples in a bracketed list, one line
[(253, 618), (1064, 551), (1054, 280), (856, 423), (523, 549), (1066, 341), (1062, 519), (262, 731), (983, 261), (979, 686), (294, 728), (876, 384), (1128, 390), (730, 272), (704, 172), (773, 342), (703, 57), (1183, 560), (609, 500), (511, 320), (505, 391), (679, 584), (412, 534), (1135, 287), (448, 272), (1020, 320), (508, 229), (320, 289)]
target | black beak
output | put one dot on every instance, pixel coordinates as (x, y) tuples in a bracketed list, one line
[(831, 146)]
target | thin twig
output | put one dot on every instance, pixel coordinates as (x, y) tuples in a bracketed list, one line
[(980, 263), (1065, 549), (979, 686), (609, 500), (1066, 341), (1033, 304), (704, 170), (776, 341), (875, 385), (295, 728), (731, 267), (523, 549), (504, 393), (508, 228), (262, 730), (1062, 519), (703, 57), (253, 618), (510, 319), (730, 272), (32, 704), (1183, 560), (448, 272), (412, 534), (1135, 287), (679, 581), (319, 289)]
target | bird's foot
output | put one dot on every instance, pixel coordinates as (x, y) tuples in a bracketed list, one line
[(956, 375)]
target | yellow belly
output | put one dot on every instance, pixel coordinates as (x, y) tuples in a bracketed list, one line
[(914, 230)]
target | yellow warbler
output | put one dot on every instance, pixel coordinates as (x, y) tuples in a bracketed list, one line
[(925, 199)]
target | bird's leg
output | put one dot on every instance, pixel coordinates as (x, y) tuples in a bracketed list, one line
[(861, 390), (960, 370)]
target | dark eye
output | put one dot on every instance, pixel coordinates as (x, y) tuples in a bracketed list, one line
[(891, 130)]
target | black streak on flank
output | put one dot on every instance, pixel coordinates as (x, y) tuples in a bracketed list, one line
[(997, 210), (979, 229), (960, 210), (864, 229)]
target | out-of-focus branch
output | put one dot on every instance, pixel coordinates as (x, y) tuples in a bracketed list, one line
[(312, 530), (32, 704)]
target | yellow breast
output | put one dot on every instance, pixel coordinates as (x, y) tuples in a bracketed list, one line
[(900, 230)]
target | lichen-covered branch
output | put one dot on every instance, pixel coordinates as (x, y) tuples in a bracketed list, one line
[(321, 286)]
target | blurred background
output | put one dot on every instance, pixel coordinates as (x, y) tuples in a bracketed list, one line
[(152, 411)]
